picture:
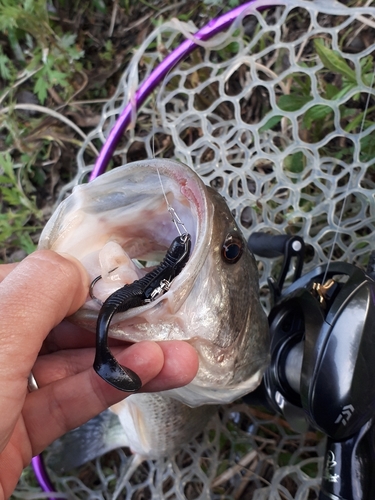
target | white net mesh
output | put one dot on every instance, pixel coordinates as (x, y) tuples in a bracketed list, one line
[(243, 453), (269, 118), (278, 115)]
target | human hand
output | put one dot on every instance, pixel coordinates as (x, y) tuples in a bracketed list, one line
[(35, 296)]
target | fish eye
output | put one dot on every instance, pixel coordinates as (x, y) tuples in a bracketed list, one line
[(232, 248)]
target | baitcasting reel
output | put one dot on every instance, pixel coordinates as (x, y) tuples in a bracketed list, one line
[(322, 370)]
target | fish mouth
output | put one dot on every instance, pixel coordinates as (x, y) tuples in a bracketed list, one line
[(121, 226), (126, 213)]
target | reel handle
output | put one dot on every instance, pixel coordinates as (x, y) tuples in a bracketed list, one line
[(276, 245), (349, 467), (267, 245)]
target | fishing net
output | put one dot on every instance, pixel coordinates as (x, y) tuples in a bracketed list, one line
[(276, 113), (241, 454)]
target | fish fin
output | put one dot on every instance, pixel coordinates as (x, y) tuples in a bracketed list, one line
[(94, 438)]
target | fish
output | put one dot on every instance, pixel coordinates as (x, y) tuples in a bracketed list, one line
[(152, 426), (121, 221)]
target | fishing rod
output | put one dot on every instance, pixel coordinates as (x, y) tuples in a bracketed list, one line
[(322, 357)]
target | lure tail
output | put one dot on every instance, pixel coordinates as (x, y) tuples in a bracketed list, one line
[(119, 376), (105, 364)]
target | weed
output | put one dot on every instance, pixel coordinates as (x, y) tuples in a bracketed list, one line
[(20, 216), (315, 122)]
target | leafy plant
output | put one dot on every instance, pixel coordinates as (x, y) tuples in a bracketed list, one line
[(317, 120), (37, 58), (19, 215), (6, 66), (49, 59)]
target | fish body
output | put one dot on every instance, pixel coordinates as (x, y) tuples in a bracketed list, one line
[(121, 219), (151, 425)]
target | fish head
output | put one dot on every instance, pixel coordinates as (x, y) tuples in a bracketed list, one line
[(120, 220), (226, 322)]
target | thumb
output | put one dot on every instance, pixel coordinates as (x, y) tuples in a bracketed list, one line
[(34, 297)]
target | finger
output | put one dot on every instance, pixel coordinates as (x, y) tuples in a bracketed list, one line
[(38, 293), (67, 336), (61, 364), (5, 269), (180, 365), (34, 298), (67, 403)]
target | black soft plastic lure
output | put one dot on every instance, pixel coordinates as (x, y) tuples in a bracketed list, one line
[(136, 294)]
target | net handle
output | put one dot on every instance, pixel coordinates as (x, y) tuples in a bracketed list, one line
[(212, 28)]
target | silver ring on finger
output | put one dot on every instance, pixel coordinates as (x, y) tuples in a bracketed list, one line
[(32, 384)]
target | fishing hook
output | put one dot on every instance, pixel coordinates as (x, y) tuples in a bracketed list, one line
[(140, 292), (94, 282)]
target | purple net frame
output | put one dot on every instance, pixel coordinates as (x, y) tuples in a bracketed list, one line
[(212, 28)]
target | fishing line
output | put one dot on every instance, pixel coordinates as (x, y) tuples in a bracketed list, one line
[(347, 188), (175, 218), (154, 124)]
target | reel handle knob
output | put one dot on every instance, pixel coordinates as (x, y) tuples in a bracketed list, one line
[(274, 245)]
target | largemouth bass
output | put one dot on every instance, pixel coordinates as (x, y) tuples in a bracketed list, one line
[(120, 220)]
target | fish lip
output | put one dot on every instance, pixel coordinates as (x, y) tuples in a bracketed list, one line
[(194, 191)]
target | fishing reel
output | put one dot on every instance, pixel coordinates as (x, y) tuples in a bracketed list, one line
[(322, 370)]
